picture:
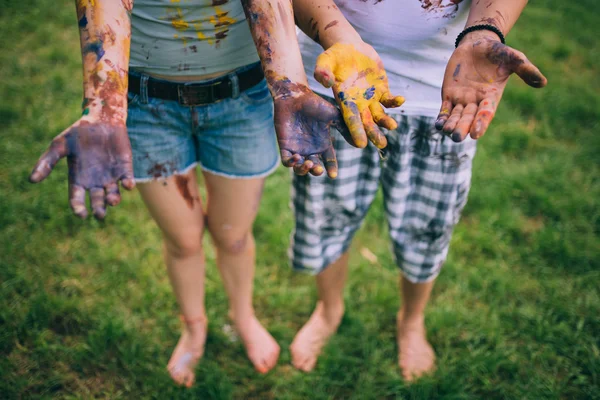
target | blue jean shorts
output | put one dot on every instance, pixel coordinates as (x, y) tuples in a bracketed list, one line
[(234, 138)]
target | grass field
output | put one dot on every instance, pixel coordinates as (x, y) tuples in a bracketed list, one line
[(86, 310)]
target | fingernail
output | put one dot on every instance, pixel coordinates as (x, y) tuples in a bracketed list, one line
[(333, 174), (439, 124), (456, 137), (478, 126)]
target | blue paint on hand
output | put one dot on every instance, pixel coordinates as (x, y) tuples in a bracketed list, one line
[(369, 93), (342, 96)]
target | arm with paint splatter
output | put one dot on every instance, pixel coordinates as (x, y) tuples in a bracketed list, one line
[(97, 147), (302, 118), (478, 71), (352, 68)]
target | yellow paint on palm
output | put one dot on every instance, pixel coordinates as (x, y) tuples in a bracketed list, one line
[(360, 84), (354, 75)]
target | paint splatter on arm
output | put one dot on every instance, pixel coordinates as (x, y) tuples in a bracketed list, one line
[(478, 71), (96, 146)]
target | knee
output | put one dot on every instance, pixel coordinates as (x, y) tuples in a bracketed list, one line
[(187, 244), (232, 243)]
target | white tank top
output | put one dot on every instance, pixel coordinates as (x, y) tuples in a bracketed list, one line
[(189, 37), (415, 39)]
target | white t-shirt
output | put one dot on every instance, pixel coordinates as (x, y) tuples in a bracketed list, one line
[(414, 38)]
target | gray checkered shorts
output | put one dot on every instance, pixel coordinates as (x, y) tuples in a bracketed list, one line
[(425, 179)]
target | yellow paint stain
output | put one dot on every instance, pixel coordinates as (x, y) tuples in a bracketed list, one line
[(221, 18), (178, 23), (114, 76), (174, 1), (200, 35)]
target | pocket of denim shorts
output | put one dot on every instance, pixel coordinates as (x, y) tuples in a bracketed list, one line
[(257, 94)]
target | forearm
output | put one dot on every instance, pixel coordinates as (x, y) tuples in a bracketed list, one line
[(500, 13), (322, 21), (105, 34), (273, 30)]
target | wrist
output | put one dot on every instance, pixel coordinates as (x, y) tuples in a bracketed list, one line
[(343, 35), (477, 32), (112, 110), (484, 34)]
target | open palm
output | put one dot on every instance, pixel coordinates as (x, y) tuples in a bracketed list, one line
[(474, 81)]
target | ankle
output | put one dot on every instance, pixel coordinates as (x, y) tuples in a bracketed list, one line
[(195, 325), (240, 317), (332, 311), (410, 320)]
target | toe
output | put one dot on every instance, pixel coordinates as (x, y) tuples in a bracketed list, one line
[(189, 380), (309, 364)]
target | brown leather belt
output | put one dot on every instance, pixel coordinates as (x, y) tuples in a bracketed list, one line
[(196, 94)]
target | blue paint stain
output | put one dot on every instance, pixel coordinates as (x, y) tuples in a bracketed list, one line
[(342, 95), (95, 47), (83, 21), (369, 93)]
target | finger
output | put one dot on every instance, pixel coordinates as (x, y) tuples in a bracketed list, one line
[(77, 200), (98, 202), (288, 159), (324, 69), (113, 196), (443, 115), (373, 132), (453, 120), (464, 124), (56, 151), (127, 180), (125, 173), (530, 74), (302, 169), (339, 124), (331, 164), (354, 123), (381, 118), (390, 101), (317, 167), (483, 118)]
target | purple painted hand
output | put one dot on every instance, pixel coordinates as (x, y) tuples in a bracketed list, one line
[(475, 78), (99, 156), (303, 121)]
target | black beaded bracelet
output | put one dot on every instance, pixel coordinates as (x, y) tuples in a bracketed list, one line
[(479, 28)]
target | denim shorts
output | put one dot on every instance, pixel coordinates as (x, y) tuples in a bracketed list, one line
[(234, 138)]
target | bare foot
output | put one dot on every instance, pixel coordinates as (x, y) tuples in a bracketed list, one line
[(188, 352), (309, 341), (262, 349), (415, 355)]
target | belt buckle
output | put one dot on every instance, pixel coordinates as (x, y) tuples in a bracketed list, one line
[(187, 96)]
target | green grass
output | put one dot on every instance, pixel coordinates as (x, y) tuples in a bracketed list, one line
[(87, 312)]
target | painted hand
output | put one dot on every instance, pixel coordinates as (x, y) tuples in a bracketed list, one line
[(98, 156), (475, 78), (360, 87), (302, 121)]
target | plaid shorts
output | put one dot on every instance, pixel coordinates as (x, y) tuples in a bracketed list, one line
[(425, 178)]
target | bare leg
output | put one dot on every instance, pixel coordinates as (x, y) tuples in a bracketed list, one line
[(326, 317), (232, 207), (415, 355), (175, 206)]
